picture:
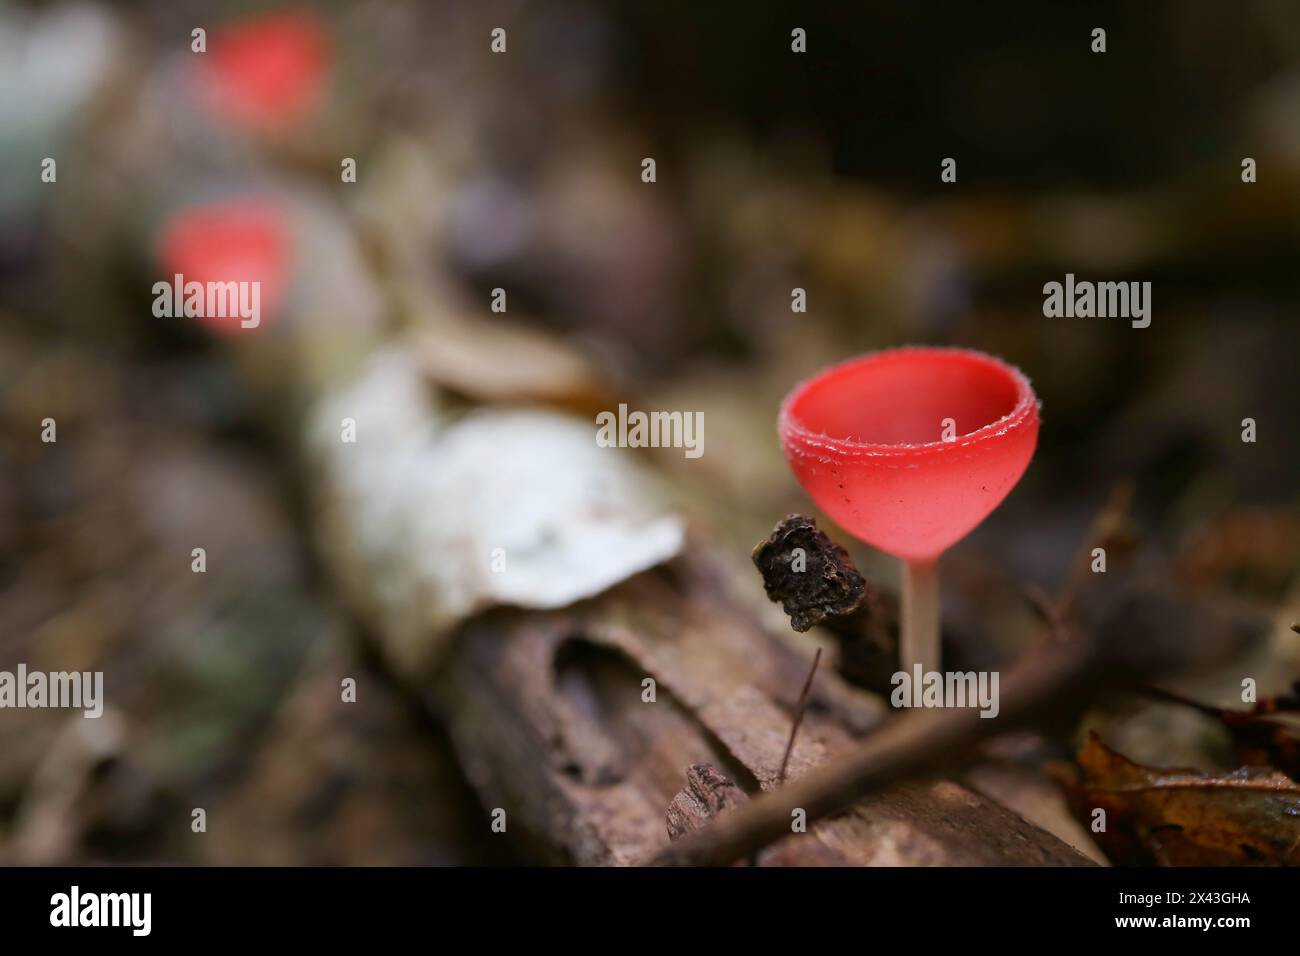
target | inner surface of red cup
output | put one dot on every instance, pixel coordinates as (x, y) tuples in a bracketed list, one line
[(910, 449)]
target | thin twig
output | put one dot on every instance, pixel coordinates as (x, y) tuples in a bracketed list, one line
[(798, 716), (1048, 610), (922, 741), (1105, 527)]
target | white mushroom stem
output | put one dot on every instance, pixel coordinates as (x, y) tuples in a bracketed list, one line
[(919, 641)]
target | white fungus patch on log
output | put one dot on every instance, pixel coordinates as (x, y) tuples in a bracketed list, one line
[(413, 511)]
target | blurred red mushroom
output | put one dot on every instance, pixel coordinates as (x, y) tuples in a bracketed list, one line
[(267, 72), (237, 240)]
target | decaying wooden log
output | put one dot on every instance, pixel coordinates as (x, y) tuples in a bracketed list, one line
[(548, 712), (707, 794)]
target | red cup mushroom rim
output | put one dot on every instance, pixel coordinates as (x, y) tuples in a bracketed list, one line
[(807, 441)]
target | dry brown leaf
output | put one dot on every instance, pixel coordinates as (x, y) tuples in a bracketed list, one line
[(1266, 735), (1176, 817), (491, 359)]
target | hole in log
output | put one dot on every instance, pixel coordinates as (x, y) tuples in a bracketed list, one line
[(608, 723)]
